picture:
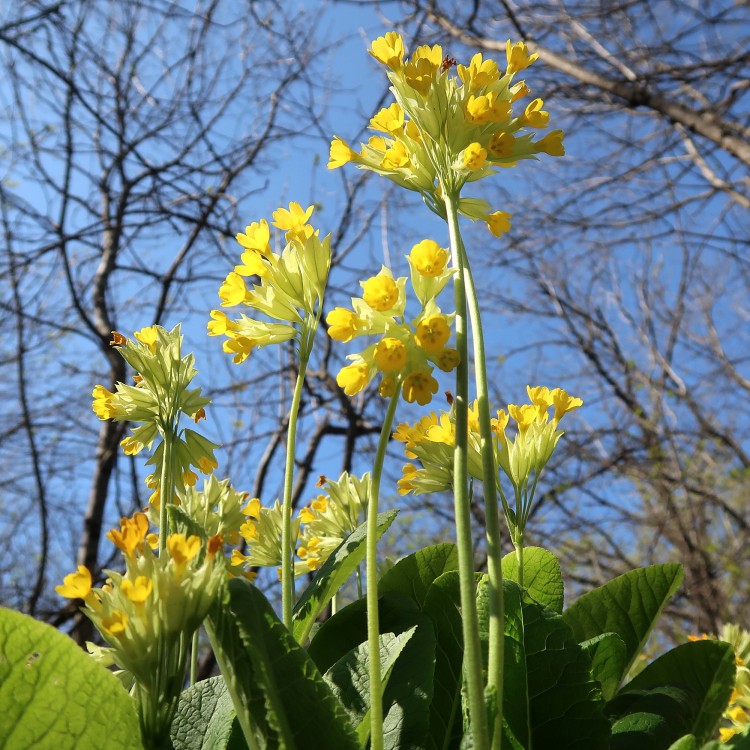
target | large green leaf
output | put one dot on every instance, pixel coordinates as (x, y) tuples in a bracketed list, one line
[(299, 709), (413, 574), (442, 605), (349, 678), (332, 575), (549, 697), (407, 696), (542, 577), (206, 720), (685, 691), (53, 696), (628, 605)]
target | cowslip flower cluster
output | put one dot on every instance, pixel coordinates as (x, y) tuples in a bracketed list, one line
[(161, 394), (406, 352), (431, 441), (148, 613), (216, 509), (737, 713), (261, 532), (289, 291), (330, 518), (447, 129)]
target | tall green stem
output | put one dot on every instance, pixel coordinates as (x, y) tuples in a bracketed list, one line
[(371, 573), (287, 543), (166, 488), (462, 505), (492, 510)]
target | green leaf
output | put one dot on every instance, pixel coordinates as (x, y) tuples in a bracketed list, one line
[(688, 742), (406, 698), (300, 708), (206, 720), (54, 696), (542, 577), (442, 605), (628, 605), (349, 678), (685, 691), (332, 575), (549, 697), (608, 656), (413, 574)]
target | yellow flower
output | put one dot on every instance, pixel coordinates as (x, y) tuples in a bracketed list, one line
[(253, 264), (432, 333), (498, 222), (103, 405), (388, 120), (390, 354), (447, 360), (534, 116), (501, 145), (389, 50), (131, 534), (256, 238), (429, 258), (405, 485), (380, 292), (551, 144), (76, 585), (487, 108), (518, 91), (252, 508), (387, 387), (182, 550), (220, 324), (479, 74), (420, 387), (240, 347), (395, 157), (148, 336), (524, 415), (419, 74), (540, 395), (294, 221), (353, 378), (518, 57), (563, 403), (233, 291), (137, 591), (474, 156), (342, 324), (115, 623), (340, 154)]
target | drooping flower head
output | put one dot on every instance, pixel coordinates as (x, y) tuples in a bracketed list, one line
[(406, 350), (289, 288), (447, 128)]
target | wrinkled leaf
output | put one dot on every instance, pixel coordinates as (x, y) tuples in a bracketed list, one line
[(413, 574), (349, 678), (542, 577), (685, 691), (56, 697), (549, 697), (628, 605), (406, 698), (608, 656), (206, 720)]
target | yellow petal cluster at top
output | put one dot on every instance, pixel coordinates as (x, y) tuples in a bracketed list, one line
[(289, 287), (157, 603), (407, 351), (521, 459), (161, 394), (446, 129)]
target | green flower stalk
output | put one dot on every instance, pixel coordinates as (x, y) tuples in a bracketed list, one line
[(290, 292), (442, 132)]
